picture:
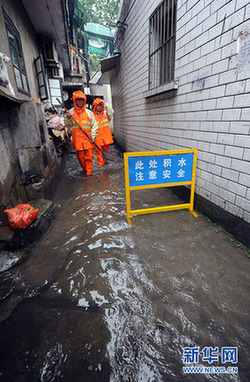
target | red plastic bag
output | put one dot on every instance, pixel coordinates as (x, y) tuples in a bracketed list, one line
[(21, 216)]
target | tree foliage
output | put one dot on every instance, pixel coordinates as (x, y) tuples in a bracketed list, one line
[(103, 12), (100, 11)]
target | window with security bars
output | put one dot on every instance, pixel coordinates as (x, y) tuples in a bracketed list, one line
[(162, 44), (16, 55)]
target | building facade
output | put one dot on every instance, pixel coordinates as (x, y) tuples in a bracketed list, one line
[(182, 81), (35, 61)]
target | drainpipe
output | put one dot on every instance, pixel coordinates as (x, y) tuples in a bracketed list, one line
[(86, 63)]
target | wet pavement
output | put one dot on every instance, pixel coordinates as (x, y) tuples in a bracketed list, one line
[(99, 300)]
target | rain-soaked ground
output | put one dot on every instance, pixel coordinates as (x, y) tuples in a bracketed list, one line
[(99, 300)]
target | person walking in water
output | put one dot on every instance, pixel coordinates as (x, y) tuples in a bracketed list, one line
[(103, 114), (83, 145)]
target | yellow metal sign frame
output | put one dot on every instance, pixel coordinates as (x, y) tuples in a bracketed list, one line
[(189, 206)]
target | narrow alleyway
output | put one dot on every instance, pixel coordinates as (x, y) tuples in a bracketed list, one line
[(100, 300)]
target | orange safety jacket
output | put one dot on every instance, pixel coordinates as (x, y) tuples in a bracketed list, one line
[(99, 138), (107, 136), (104, 136), (79, 139)]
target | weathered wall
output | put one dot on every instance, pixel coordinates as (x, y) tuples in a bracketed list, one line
[(11, 188), (28, 159), (19, 18), (214, 119)]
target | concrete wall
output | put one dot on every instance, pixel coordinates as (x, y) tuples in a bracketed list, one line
[(215, 119), (101, 90), (19, 18), (28, 159)]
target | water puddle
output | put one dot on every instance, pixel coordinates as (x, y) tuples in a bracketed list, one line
[(98, 299)]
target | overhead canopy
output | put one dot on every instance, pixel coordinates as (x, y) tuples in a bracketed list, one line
[(100, 38), (108, 68), (49, 19), (98, 29), (110, 63)]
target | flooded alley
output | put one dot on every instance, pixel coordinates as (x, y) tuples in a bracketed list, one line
[(97, 299)]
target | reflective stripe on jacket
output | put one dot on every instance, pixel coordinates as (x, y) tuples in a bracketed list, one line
[(106, 132), (79, 139)]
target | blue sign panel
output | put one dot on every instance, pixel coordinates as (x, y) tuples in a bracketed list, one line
[(160, 169)]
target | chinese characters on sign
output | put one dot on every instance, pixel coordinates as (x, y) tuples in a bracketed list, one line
[(155, 169), (151, 170), (210, 354)]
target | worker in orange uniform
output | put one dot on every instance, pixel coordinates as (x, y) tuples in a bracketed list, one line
[(83, 145), (103, 114)]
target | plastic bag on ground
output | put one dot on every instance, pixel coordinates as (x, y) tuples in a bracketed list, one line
[(21, 216)]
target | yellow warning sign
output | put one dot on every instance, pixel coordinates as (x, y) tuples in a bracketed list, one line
[(154, 169)]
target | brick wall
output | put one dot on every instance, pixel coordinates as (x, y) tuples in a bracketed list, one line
[(214, 119)]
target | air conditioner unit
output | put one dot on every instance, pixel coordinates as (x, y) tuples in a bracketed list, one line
[(56, 72), (50, 52)]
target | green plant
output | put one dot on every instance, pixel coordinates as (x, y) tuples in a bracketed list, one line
[(208, 220), (218, 229), (230, 238)]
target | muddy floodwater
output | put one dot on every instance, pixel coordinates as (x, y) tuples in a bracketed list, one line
[(98, 299)]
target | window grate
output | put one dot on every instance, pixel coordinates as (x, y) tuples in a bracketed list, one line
[(162, 36)]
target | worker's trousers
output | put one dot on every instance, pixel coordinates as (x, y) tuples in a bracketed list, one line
[(99, 157), (85, 158), (105, 148)]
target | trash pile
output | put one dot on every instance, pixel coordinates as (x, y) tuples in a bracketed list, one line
[(58, 132)]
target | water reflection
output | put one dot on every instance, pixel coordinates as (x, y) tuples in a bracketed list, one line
[(131, 322), (118, 303)]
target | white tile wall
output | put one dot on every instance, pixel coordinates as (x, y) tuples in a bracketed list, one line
[(215, 119)]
